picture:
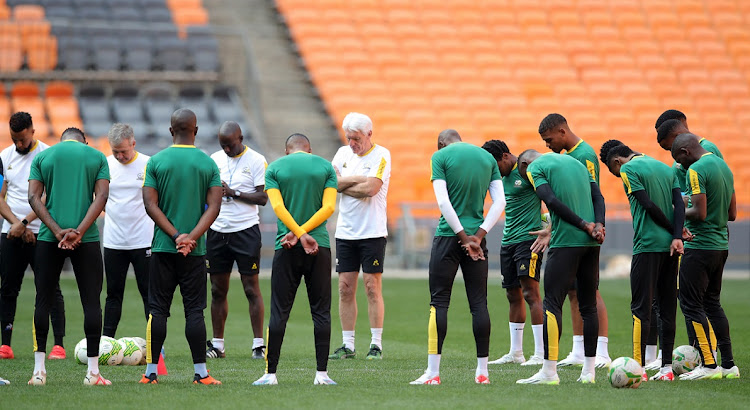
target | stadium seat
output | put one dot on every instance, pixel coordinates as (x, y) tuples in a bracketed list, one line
[(74, 53), (28, 12), (106, 53), (158, 101), (171, 53), (127, 106), (138, 53)]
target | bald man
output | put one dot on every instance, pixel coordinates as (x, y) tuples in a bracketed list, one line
[(182, 195), (235, 235)]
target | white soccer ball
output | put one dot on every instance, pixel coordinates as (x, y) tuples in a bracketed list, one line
[(546, 220), (684, 359), (141, 342), (80, 352), (131, 352), (625, 372), (110, 351)]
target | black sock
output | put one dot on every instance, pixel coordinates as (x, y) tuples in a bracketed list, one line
[(7, 332), (59, 340)]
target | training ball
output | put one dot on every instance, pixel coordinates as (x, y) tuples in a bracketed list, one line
[(141, 342), (131, 352), (81, 352), (684, 359), (546, 220), (110, 351), (625, 372)]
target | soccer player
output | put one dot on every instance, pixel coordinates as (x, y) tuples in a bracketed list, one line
[(520, 266), (577, 210), (301, 187), (20, 228), (658, 217), (364, 171), (182, 195), (235, 235), (461, 176), (713, 203), (128, 230), (556, 133), (75, 178)]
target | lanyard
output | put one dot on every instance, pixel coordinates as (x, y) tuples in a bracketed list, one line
[(231, 171)]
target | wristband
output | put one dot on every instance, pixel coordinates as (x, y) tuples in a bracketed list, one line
[(174, 237), (25, 222)]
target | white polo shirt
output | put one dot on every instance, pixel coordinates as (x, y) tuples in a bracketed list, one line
[(126, 224), (242, 173), (16, 168), (363, 218)]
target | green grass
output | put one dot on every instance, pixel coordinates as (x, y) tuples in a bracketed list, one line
[(361, 383)]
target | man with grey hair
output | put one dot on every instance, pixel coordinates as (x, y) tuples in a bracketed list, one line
[(364, 170), (127, 228)]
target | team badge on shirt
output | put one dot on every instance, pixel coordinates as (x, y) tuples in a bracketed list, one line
[(139, 177), (518, 183)]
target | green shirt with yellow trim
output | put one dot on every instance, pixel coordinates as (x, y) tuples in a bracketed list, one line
[(710, 175), (181, 175), (571, 183), (467, 171), (643, 173), (679, 171), (584, 153), (523, 212)]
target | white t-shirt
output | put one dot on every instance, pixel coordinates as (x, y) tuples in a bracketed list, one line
[(242, 173), (126, 224), (363, 218), (16, 168)]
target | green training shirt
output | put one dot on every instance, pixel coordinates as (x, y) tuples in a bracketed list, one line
[(583, 152), (467, 171), (301, 178), (657, 179), (710, 175), (523, 209), (679, 171), (182, 175), (571, 183), (69, 171)]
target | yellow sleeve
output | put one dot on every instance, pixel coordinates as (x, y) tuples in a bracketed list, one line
[(277, 203), (325, 211)]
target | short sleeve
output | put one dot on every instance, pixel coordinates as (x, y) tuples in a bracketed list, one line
[(215, 175), (591, 168), (495, 172), (696, 182), (536, 175), (150, 171), (382, 168), (2, 168), (103, 169), (338, 159), (259, 171), (631, 180), (437, 167), (35, 172), (271, 182), (675, 182), (331, 180)]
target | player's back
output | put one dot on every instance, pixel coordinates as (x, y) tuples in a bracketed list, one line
[(710, 175), (680, 172), (522, 209)]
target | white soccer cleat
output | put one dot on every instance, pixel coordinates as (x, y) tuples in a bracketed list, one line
[(655, 365), (702, 373), (540, 378), (427, 378), (733, 373), (534, 361), (603, 362), (663, 375), (482, 379), (512, 357), (38, 379), (571, 360), (587, 378), (4, 382), (323, 380), (267, 379), (92, 379)]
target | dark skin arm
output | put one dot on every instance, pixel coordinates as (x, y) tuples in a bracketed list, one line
[(733, 207), (71, 240), (653, 211), (36, 190), (545, 193), (258, 197), (17, 229), (698, 211)]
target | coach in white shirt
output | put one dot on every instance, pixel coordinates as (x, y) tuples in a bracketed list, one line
[(363, 170), (127, 228), (235, 235), (20, 227)]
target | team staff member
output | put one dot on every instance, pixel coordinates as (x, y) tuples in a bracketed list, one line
[(182, 194), (577, 210), (713, 203), (461, 176), (235, 235), (658, 217), (301, 187), (519, 265), (75, 178), (20, 229), (364, 171), (128, 230), (556, 133)]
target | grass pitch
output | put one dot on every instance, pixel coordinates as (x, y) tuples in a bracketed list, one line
[(362, 383)]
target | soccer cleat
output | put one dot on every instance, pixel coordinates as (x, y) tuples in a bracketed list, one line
[(534, 361), (150, 379), (602, 362), (92, 379), (342, 352), (268, 379), (482, 379), (540, 378), (375, 353), (58, 352), (655, 365), (587, 378), (663, 375), (644, 377), (208, 380), (4, 382), (323, 380), (38, 379), (259, 352), (511, 357), (427, 378), (214, 353), (571, 360), (702, 373), (6, 352), (733, 373)]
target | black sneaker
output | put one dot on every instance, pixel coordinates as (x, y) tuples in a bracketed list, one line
[(259, 352), (212, 352)]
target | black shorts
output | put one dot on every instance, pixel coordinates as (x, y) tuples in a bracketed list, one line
[(517, 260), (223, 249), (167, 271), (367, 253)]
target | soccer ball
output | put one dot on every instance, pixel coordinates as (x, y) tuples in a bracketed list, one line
[(131, 353), (546, 220), (110, 351), (684, 359), (141, 342), (80, 352), (625, 372)]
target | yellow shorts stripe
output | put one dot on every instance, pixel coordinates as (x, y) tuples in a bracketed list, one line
[(637, 339), (432, 334), (265, 352), (711, 335), (553, 335), (148, 340), (33, 334), (532, 265), (708, 355)]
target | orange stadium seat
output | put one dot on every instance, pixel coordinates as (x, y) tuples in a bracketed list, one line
[(190, 16), (28, 12), (41, 53)]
